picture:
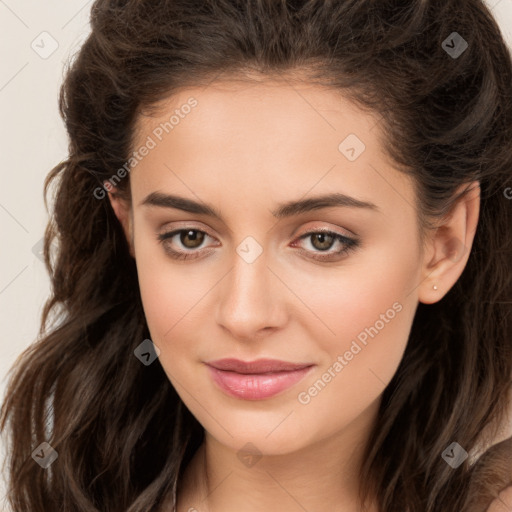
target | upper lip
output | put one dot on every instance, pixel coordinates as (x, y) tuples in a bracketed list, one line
[(256, 367)]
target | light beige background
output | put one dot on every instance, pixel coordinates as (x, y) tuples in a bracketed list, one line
[(33, 141)]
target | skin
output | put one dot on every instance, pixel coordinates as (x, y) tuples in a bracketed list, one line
[(245, 149), (503, 503)]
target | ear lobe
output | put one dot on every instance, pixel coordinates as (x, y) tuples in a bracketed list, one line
[(122, 210), (450, 247)]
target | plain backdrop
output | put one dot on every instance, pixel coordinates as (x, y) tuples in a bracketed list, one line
[(38, 37)]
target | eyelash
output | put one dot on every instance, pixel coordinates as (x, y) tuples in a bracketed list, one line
[(350, 244)]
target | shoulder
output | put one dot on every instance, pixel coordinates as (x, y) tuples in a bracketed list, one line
[(503, 503), (491, 486)]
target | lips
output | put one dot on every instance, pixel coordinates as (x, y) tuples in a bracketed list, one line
[(256, 380), (259, 366)]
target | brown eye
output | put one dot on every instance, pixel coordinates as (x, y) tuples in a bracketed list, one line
[(191, 238), (185, 243), (322, 241)]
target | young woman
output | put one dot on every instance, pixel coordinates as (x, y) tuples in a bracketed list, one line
[(284, 268)]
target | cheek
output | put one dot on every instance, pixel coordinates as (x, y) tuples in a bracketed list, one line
[(370, 291), (168, 297), (357, 369), (174, 296), (162, 298), (370, 310)]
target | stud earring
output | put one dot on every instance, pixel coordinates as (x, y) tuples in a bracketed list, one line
[(435, 287)]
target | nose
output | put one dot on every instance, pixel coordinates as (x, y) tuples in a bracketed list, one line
[(251, 301)]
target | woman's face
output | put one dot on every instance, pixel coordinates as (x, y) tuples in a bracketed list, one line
[(253, 285)]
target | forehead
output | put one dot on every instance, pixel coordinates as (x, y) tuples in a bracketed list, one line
[(277, 137), (263, 105)]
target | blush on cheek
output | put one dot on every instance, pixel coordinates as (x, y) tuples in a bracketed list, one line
[(174, 304), (160, 300), (368, 322)]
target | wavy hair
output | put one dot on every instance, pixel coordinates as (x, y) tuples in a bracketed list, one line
[(122, 434)]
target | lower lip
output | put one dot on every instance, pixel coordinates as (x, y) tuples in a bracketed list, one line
[(256, 386)]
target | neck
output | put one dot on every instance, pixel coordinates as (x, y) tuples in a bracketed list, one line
[(323, 476)]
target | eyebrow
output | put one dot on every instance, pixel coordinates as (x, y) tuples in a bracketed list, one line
[(283, 210)]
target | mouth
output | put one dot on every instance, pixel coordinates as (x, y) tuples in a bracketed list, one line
[(256, 380)]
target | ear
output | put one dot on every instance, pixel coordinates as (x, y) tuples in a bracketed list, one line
[(122, 210), (448, 249)]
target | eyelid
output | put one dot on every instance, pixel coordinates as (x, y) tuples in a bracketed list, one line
[(326, 229), (183, 226)]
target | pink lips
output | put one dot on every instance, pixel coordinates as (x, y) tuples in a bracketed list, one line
[(256, 380)]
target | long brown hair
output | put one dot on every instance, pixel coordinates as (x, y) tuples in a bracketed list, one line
[(120, 430)]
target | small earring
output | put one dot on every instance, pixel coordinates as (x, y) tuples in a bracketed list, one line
[(435, 287)]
